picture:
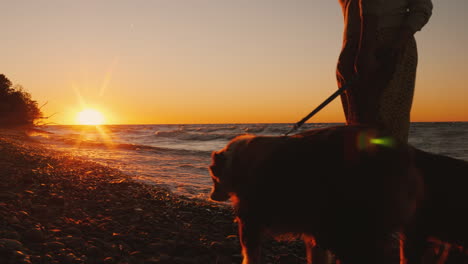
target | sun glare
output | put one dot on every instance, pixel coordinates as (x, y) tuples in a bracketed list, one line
[(90, 117)]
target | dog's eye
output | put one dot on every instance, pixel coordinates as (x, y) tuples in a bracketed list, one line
[(215, 171)]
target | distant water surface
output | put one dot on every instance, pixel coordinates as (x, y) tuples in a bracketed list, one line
[(177, 156)]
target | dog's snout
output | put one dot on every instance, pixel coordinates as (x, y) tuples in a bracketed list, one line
[(219, 195)]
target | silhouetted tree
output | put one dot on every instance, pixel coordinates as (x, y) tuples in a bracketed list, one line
[(16, 105)]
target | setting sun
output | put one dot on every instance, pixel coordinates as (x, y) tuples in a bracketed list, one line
[(90, 117)]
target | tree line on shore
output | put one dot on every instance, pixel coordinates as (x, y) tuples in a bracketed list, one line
[(17, 108)]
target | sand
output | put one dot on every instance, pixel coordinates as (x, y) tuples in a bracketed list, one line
[(57, 208)]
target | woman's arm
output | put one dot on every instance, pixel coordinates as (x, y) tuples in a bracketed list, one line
[(370, 11)]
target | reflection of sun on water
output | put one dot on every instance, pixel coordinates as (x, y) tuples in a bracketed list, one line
[(90, 117)]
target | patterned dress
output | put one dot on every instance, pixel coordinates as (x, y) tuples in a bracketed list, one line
[(385, 100)]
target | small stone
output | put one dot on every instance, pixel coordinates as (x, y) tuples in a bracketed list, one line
[(28, 192), (287, 259), (48, 258), (55, 231), (73, 231), (34, 235), (57, 201), (13, 220), (232, 237), (84, 258), (23, 214), (23, 261), (19, 254), (11, 235), (152, 261), (215, 245), (135, 253), (155, 247), (109, 260), (36, 259), (11, 244), (223, 260), (39, 209), (165, 258), (68, 258), (72, 242), (20, 258), (7, 196), (54, 246), (26, 203), (237, 258), (93, 251)]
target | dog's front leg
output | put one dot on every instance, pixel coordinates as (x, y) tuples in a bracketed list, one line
[(315, 255), (310, 244), (250, 238)]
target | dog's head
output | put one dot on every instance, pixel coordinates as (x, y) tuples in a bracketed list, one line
[(222, 170)]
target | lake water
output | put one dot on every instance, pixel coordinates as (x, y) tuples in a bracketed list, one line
[(177, 156)]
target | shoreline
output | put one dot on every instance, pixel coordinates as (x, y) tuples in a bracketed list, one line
[(57, 208)]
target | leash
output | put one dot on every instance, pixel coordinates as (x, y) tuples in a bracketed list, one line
[(316, 110)]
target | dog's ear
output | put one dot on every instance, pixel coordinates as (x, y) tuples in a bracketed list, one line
[(218, 162), (218, 157)]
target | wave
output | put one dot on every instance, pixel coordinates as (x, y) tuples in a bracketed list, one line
[(126, 146), (211, 129), (192, 167), (187, 135)]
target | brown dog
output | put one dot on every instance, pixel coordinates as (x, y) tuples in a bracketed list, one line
[(443, 213), (347, 187)]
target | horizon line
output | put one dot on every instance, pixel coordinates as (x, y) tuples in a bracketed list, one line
[(236, 123)]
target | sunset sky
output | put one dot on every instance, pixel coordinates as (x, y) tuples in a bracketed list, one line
[(209, 61)]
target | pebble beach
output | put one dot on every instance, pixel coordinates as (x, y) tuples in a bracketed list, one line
[(58, 208)]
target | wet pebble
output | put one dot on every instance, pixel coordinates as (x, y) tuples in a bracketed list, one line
[(54, 245), (69, 258), (13, 220), (165, 258), (223, 260), (7, 195), (109, 260), (34, 235), (73, 231), (56, 201), (11, 244), (94, 251), (11, 235), (39, 209), (20, 257), (152, 261), (73, 242)]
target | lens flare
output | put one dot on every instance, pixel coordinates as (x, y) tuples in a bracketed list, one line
[(384, 141)]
